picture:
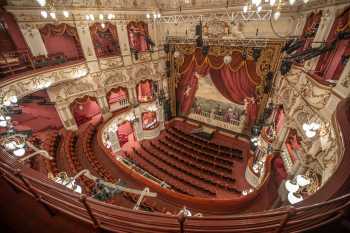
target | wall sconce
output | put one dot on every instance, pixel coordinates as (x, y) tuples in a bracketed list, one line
[(294, 188), (311, 129)]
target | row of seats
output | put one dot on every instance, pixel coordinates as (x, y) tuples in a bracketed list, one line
[(73, 161), (205, 144), (180, 182), (206, 180), (86, 150), (198, 154), (192, 161)]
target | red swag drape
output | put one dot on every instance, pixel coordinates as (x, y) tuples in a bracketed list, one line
[(329, 66), (117, 94), (61, 38), (105, 46), (84, 109), (235, 81), (137, 32)]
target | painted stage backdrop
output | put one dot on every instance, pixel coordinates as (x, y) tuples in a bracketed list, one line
[(209, 100)]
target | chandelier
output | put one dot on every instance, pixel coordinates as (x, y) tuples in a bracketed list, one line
[(310, 129), (49, 9), (295, 188), (275, 5)]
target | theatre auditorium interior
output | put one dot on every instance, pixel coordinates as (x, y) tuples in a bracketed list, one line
[(174, 116)]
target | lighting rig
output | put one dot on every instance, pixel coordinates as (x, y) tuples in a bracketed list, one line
[(293, 56)]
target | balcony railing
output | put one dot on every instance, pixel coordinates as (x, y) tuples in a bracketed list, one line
[(218, 121), (123, 103)]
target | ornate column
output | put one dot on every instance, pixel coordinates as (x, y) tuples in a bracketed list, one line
[(124, 43), (138, 124), (132, 94), (102, 102), (87, 45), (66, 116), (33, 38)]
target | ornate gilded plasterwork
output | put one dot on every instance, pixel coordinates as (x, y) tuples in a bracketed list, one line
[(302, 100), (37, 82), (110, 63)]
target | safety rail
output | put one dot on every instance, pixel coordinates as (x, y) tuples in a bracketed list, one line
[(113, 218)]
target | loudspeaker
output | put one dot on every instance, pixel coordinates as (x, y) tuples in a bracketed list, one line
[(285, 67), (199, 29)]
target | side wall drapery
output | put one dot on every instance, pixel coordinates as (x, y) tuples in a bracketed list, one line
[(62, 38), (330, 65), (137, 34), (235, 81), (13, 30), (310, 29), (105, 39), (84, 109), (144, 91), (117, 94)]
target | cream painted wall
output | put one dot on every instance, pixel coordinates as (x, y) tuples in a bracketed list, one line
[(33, 39)]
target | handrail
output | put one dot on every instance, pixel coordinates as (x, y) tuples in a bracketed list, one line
[(115, 218)]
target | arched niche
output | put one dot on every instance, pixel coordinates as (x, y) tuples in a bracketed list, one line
[(85, 109), (61, 42), (118, 98), (149, 120), (105, 39), (125, 134), (138, 36), (145, 91)]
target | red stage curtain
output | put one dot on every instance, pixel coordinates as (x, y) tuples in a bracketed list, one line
[(137, 33), (235, 81), (144, 91), (329, 65), (123, 132), (62, 38), (107, 45), (116, 95)]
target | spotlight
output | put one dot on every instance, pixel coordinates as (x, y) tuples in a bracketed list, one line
[(285, 67), (343, 35), (44, 14), (205, 50), (65, 14), (53, 15), (166, 48), (256, 53)]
